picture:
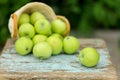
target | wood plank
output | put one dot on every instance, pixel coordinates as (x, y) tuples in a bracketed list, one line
[(60, 67)]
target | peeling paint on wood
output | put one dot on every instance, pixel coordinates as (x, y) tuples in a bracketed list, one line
[(60, 67)]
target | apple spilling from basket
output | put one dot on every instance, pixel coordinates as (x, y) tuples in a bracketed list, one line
[(44, 39)]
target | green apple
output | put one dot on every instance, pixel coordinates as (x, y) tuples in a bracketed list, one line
[(27, 30), (58, 26), (36, 16), (24, 18), (43, 27), (70, 44), (23, 45), (58, 35), (89, 57), (56, 44), (39, 38), (42, 50)]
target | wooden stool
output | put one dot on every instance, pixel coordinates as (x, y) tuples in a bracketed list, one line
[(60, 67)]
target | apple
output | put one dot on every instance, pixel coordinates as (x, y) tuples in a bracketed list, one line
[(23, 45), (70, 44), (89, 57), (43, 27), (56, 44), (42, 50), (36, 16), (24, 18), (39, 38), (58, 26), (27, 30), (58, 35)]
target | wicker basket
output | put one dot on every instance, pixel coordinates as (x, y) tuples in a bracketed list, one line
[(29, 8)]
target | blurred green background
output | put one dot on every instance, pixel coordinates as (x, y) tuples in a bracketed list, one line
[(84, 15)]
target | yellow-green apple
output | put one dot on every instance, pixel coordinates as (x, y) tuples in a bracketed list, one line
[(23, 45), (36, 16), (43, 27), (39, 38), (58, 35), (89, 57), (42, 50), (24, 18), (58, 26), (70, 44), (56, 44), (26, 30)]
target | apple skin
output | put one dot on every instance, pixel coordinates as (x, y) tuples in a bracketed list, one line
[(43, 27), (58, 35), (36, 16), (89, 57), (56, 44), (58, 26), (39, 38), (42, 50), (26, 30), (70, 44), (23, 45), (24, 18)]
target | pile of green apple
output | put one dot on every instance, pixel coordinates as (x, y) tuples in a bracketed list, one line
[(44, 39)]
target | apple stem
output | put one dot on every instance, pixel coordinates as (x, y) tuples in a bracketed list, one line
[(68, 38), (82, 55), (26, 49)]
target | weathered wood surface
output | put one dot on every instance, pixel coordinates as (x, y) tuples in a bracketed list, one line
[(60, 67)]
